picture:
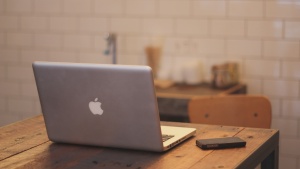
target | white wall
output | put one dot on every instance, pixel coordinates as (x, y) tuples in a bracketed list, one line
[(263, 36)]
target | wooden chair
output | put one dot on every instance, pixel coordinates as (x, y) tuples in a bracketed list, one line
[(231, 110)]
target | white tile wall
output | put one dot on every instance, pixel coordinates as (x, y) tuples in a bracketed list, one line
[(291, 69), (290, 108), (207, 8), (246, 9), (228, 28), (93, 24), (48, 41), (48, 7), (109, 7), (290, 146), (282, 48), (288, 127), (292, 29), (140, 7), (280, 88), (283, 9), (80, 7), (262, 36), (264, 68), (288, 162), (158, 26), (16, 6), (195, 27), (265, 29), (244, 48), (34, 23), (126, 25), (9, 22), (19, 39), (174, 8)]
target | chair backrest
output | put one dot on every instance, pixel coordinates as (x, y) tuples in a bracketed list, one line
[(231, 110)]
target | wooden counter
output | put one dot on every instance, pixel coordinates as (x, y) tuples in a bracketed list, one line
[(173, 101), (25, 145)]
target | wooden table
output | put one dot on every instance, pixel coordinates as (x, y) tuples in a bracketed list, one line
[(25, 145), (173, 101)]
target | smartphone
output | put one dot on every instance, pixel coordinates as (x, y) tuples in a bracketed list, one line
[(220, 143)]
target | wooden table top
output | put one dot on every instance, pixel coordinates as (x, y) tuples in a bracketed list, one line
[(25, 145), (189, 91)]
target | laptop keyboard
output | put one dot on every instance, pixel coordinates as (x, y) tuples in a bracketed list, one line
[(166, 137)]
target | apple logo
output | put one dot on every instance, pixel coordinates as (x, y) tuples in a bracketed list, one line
[(95, 107)]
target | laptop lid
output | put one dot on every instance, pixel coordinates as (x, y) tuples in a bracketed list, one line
[(98, 104)]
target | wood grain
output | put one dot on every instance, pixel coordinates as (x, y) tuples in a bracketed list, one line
[(33, 150)]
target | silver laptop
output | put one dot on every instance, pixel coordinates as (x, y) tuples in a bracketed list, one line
[(103, 105)]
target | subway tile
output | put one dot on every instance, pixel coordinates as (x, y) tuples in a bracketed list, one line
[(287, 127), (281, 88), (63, 56), (100, 44), (158, 26), (283, 9), (2, 7), (9, 56), (77, 6), (2, 104), (181, 46), (94, 57), (129, 59), (7, 118), (244, 48), (265, 29), (194, 27), (17, 6), (254, 86), (64, 23), (137, 44), (289, 146), (140, 7), (2, 39), (290, 108), (20, 73), (9, 22), (37, 107), (292, 29), (228, 28), (48, 6), (19, 39), (247, 9), (174, 8), (262, 68), (48, 40), (291, 69), (276, 106), (20, 105), (126, 25), (93, 24), (281, 49), (111, 7), (211, 46), (287, 162), (9, 88), (29, 90), (2, 73), (34, 23), (207, 8), (74, 41), (29, 56)]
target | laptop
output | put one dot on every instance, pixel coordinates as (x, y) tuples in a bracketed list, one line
[(103, 105)]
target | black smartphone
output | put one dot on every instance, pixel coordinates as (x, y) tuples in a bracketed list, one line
[(220, 143)]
